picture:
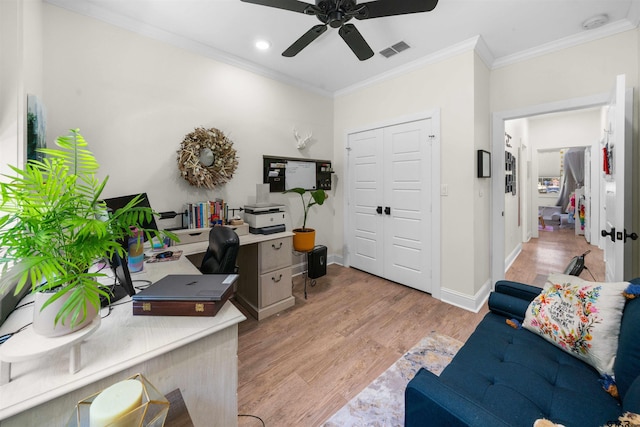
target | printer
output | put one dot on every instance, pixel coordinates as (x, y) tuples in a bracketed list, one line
[(265, 218)]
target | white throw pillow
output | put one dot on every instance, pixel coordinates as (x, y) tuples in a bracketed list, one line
[(581, 317)]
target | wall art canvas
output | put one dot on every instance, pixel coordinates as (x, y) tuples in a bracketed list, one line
[(36, 127)]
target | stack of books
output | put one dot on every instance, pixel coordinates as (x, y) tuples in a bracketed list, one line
[(206, 214)]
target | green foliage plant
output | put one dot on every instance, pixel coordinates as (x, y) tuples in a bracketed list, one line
[(55, 227), (316, 197)]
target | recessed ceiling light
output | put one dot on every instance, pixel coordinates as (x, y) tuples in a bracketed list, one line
[(263, 45), (595, 22)]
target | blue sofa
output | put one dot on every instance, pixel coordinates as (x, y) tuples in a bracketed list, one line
[(504, 376)]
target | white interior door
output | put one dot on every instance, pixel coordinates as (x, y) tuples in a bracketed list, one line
[(390, 198), (407, 198), (365, 196), (617, 184), (587, 194)]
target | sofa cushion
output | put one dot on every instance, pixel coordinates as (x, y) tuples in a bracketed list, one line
[(627, 366), (520, 377), (580, 317), (631, 402)]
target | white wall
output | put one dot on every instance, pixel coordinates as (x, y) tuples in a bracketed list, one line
[(513, 216), (449, 86), (579, 128), (11, 86), (134, 99), (482, 186), (20, 74), (576, 72)]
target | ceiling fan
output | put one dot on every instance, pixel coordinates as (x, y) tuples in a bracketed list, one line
[(336, 14)]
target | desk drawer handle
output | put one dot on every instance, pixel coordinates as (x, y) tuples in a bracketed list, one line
[(276, 281), (273, 245)]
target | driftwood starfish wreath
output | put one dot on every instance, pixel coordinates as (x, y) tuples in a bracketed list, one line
[(207, 158)]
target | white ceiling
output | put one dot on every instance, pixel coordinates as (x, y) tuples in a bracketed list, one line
[(226, 30)]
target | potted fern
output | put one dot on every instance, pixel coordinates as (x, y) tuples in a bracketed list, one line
[(55, 227), (304, 238)]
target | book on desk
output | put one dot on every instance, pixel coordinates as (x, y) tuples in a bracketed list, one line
[(185, 295)]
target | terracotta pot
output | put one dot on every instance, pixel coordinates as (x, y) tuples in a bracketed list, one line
[(304, 239), (44, 320)]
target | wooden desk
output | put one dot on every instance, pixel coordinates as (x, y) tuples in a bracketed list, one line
[(264, 287), (198, 355), (202, 235)]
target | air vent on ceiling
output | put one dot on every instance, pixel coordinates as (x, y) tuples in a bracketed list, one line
[(396, 48)]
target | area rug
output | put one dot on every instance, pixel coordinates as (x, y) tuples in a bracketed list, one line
[(381, 404)]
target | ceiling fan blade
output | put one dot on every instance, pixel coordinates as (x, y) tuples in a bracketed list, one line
[(355, 41), (293, 5), (304, 40), (380, 8)]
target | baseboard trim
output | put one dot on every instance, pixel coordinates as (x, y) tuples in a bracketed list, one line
[(470, 303), (512, 257)]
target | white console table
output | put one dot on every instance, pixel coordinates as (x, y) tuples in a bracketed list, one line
[(197, 355)]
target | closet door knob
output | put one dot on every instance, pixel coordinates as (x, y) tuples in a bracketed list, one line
[(632, 236), (387, 210), (611, 233), (379, 209)]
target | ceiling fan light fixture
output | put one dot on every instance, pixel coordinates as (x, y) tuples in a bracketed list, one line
[(595, 22), (337, 14)]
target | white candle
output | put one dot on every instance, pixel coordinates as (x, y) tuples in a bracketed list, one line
[(114, 402)]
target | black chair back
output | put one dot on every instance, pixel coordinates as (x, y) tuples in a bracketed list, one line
[(222, 252)]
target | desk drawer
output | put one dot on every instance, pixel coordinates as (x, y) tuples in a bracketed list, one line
[(275, 286), (275, 254), (192, 235)]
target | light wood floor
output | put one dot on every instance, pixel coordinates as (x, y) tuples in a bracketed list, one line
[(550, 253), (301, 366)]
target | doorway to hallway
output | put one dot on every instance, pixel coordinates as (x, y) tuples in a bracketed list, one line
[(550, 253), (617, 101)]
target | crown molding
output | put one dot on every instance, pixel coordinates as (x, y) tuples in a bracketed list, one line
[(101, 14), (571, 41), (441, 55), (483, 51), (476, 44)]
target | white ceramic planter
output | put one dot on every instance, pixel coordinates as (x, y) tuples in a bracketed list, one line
[(44, 320)]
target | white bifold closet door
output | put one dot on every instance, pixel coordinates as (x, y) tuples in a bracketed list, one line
[(390, 202)]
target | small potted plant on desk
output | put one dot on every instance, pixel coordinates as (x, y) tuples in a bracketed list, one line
[(304, 238), (55, 228)]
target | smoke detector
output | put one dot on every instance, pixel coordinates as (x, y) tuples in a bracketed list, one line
[(595, 22)]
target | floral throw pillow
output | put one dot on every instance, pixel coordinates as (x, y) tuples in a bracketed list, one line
[(581, 317)]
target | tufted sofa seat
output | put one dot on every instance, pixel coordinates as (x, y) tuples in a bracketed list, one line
[(510, 377)]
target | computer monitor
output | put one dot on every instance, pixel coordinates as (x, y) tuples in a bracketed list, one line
[(115, 203), (123, 285)]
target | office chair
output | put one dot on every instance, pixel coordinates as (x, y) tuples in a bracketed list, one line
[(222, 252)]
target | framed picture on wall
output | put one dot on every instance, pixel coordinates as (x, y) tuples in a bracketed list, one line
[(36, 127), (484, 164)]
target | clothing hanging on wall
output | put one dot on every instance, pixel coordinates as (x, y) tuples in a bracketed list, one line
[(573, 175)]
